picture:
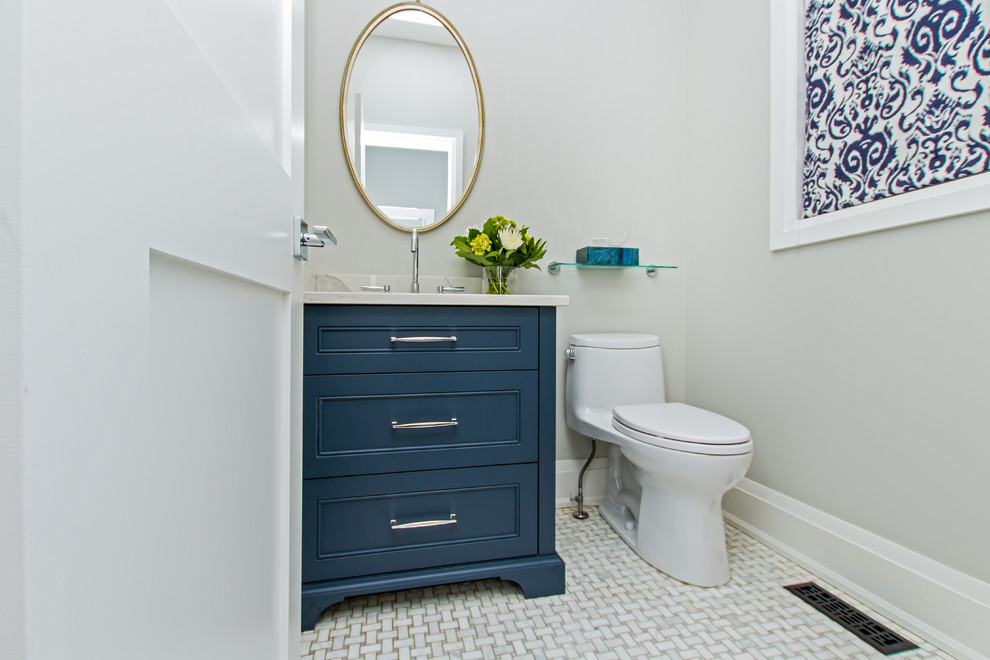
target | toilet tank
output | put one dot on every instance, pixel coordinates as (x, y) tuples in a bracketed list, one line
[(612, 369)]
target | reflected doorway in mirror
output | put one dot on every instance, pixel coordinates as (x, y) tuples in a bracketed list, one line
[(412, 116)]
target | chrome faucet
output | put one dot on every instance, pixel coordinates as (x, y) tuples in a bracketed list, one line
[(414, 248)]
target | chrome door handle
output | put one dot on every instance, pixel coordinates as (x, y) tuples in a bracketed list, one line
[(424, 425), (423, 523), (421, 339), (303, 239)]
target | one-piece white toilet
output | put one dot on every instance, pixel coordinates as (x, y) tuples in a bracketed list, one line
[(669, 464)]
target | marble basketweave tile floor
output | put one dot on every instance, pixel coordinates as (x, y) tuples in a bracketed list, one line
[(616, 606)]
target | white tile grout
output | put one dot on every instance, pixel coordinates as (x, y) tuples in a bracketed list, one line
[(616, 606)]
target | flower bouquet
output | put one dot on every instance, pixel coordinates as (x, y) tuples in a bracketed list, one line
[(500, 246)]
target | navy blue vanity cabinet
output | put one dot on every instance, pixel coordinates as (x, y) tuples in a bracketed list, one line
[(428, 449)]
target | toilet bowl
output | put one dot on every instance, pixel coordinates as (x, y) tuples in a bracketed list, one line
[(669, 464)]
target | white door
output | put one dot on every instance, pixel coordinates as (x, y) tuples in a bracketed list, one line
[(160, 167)]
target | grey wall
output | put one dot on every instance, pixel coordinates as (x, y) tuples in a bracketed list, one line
[(404, 83), (407, 177), (12, 390), (860, 365), (584, 138)]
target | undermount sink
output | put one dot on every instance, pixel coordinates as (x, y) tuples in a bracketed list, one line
[(428, 284)]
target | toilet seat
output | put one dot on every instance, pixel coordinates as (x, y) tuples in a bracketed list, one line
[(682, 428)]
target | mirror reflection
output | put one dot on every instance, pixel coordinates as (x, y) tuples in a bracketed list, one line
[(412, 117)]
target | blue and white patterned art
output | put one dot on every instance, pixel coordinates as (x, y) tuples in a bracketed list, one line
[(898, 98)]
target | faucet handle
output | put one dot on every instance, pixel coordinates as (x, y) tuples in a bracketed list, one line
[(449, 289)]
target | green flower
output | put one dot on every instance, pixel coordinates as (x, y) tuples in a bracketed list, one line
[(480, 244)]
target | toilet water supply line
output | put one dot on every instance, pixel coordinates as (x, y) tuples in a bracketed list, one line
[(581, 514)]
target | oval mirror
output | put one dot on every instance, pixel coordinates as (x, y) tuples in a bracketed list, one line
[(412, 117)]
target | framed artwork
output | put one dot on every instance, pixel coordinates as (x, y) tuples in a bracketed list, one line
[(880, 115)]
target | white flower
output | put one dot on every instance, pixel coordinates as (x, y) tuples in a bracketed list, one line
[(510, 237)]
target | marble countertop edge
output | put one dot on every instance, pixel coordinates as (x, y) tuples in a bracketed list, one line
[(471, 299)]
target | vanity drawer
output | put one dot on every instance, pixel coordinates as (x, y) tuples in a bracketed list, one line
[(467, 419), (386, 523), (353, 339)]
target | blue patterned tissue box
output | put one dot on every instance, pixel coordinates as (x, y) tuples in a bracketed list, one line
[(608, 256)]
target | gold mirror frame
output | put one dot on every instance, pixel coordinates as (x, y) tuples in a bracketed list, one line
[(344, 88)]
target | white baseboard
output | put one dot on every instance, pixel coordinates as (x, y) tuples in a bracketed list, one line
[(593, 486), (946, 607)]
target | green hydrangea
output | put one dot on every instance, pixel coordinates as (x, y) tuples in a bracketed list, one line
[(480, 244)]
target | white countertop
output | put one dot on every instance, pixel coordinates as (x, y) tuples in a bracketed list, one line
[(476, 299)]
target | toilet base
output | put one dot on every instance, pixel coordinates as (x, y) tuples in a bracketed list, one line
[(693, 553), (667, 506)]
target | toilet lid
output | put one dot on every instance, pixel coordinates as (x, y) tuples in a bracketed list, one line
[(615, 340), (682, 427)]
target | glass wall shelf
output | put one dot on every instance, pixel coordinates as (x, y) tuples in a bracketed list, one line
[(651, 270)]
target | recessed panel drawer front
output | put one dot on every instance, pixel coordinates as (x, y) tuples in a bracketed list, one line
[(354, 339), (386, 523), (368, 424)]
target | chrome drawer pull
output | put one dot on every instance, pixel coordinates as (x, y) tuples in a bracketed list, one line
[(424, 425), (423, 523), (422, 339)]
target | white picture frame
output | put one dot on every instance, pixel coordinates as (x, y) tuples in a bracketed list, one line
[(788, 227)]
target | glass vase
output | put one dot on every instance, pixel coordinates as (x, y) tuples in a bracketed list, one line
[(498, 279)]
